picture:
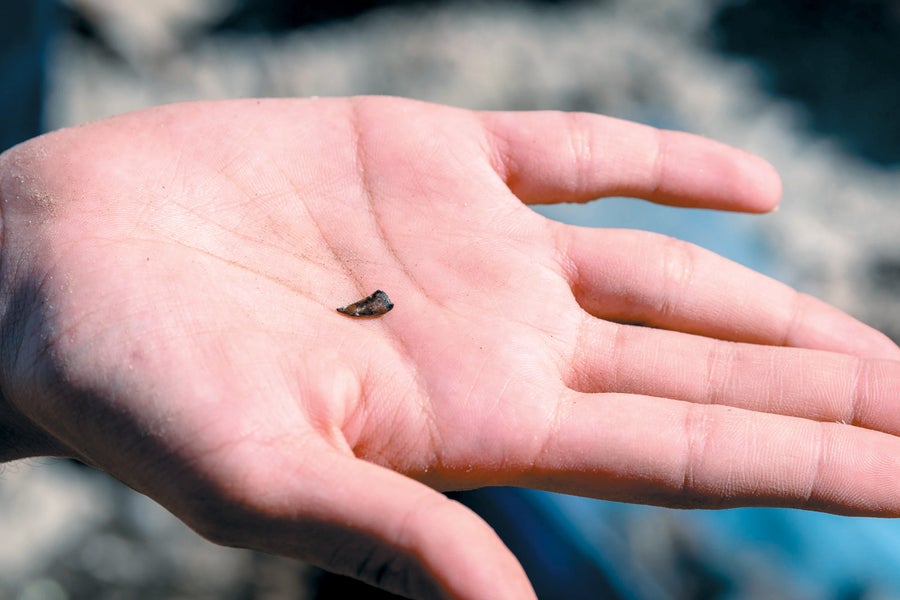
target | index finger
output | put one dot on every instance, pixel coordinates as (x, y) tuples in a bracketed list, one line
[(549, 157)]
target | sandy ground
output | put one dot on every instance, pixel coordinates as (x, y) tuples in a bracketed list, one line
[(72, 533)]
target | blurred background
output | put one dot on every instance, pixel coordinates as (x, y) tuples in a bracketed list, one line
[(812, 86)]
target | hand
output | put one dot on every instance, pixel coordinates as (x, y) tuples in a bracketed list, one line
[(170, 279)]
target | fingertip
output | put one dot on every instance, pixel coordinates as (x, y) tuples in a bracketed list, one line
[(485, 567), (769, 185), (821, 326), (698, 172), (877, 345)]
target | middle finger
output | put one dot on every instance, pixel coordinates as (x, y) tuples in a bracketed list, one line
[(813, 384)]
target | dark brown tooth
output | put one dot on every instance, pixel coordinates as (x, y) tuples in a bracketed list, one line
[(370, 306)]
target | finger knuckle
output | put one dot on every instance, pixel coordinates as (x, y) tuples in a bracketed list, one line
[(678, 264)]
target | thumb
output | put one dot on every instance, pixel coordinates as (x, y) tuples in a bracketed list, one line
[(403, 536), (359, 519)]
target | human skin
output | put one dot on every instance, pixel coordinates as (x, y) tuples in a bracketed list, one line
[(168, 286)]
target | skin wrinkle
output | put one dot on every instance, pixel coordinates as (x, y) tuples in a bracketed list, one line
[(859, 393), (572, 273), (798, 299), (247, 148), (238, 265), (264, 243), (563, 242), (813, 489), (678, 271), (358, 413), (568, 268), (660, 161), (696, 437), (554, 426), (422, 393), (381, 453), (619, 342), (369, 194), (374, 564), (15, 413), (189, 209), (46, 347), (297, 193), (497, 149), (773, 397), (506, 461), (719, 368), (397, 342), (572, 372), (404, 537), (581, 149), (577, 374), (348, 272), (179, 174)]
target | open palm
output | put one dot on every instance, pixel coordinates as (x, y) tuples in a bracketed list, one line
[(170, 279)]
